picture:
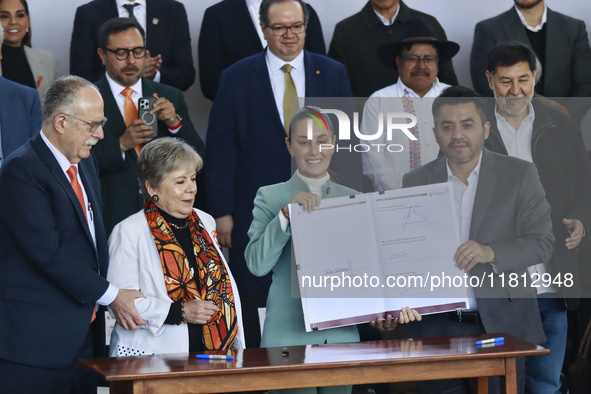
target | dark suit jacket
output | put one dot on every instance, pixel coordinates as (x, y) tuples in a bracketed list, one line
[(120, 189), (20, 115), (356, 41), (167, 35), (219, 47), (559, 154), (567, 69), (51, 273), (245, 146), (512, 216)]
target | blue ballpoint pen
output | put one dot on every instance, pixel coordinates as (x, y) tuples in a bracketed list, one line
[(215, 357), (491, 340)]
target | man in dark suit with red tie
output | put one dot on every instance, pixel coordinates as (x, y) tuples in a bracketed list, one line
[(54, 250)]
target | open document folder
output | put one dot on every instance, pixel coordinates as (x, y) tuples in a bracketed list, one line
[(360, 257)]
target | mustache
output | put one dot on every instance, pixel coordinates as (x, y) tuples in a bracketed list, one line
[(91, 141), (458, 143), (130, 68), (512, 96)]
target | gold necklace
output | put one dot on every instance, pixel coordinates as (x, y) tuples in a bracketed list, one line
[(179, 227)]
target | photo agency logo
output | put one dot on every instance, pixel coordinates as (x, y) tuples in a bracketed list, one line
[(395, 122)]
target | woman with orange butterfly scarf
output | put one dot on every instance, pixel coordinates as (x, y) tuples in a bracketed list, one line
[(169, 251)]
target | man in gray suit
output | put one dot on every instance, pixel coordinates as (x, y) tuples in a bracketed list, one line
[(504, 224), (560, 42)]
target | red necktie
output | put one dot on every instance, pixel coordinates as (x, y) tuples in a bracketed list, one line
[(130, 111), (78, 190)]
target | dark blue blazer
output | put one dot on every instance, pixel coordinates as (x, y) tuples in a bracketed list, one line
[(51, 273), (167, 35), (219, 47), (20, 115), (245, 146)]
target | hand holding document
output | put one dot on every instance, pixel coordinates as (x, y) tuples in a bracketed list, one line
[(364, 256)]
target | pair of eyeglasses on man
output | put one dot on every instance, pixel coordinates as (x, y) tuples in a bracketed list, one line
[(414, 60), (123, 53), (93, 125), (282, 30)]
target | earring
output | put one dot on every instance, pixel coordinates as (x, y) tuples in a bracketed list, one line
[(155, 198), (27, 29)]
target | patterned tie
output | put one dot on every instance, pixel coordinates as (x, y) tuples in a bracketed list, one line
[(129, 8), (131, 113), (290, 97), (414, 151), (78, 190)]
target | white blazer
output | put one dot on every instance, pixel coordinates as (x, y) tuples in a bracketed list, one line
[(134, 263), (44, 67)]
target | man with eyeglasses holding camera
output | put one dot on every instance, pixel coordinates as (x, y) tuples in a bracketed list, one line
[(122, 49), (416, 56), (247, 128)]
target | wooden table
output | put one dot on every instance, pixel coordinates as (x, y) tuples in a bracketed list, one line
[(396, 360)]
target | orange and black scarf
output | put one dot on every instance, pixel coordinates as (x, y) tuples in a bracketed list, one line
[(212, 282)]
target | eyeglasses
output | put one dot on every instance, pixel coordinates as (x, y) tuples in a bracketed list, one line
[(282, 30), (123, 53), (414, 60), (93, 125)]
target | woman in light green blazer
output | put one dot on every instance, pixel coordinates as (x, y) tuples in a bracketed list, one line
[(269, 248)]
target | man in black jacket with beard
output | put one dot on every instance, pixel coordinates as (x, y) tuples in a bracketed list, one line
[(533, 131)]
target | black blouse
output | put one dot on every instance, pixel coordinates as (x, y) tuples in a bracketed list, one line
[(16, 67)]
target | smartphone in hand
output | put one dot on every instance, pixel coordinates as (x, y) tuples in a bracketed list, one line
[(145, 105)]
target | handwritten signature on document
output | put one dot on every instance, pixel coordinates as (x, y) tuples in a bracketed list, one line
[(412, 217)]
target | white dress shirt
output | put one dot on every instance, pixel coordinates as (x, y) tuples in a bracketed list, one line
[(65, 164), (116, 89), (253, 9), (384, 168), (139, 11), (464, 196), (517, 142), (384, 20), (537, 28), (277, 77)]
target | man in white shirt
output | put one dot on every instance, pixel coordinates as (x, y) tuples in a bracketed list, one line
[(505, 226), (526, 128), (122, 51), (416, 57), (247, 129), (560, 42)]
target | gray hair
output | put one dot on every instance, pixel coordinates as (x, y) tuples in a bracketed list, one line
[(62, 94), (160, 157)]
